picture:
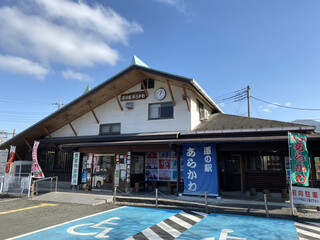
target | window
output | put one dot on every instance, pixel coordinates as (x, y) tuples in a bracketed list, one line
[(161, 110), (112, 128), (148, 83), (265, 163), (200, 109)]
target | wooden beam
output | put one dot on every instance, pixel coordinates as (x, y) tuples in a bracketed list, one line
[(144, 86), (74, 131), (47, 132), (119, 103), (94, 114), (171, 94), (27, 144), (16, 154), (117, 98), (186, 97)]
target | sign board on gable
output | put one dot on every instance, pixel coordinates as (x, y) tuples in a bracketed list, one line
[(133, 96), (306, 196)]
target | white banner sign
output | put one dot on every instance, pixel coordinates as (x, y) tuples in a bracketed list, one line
[(75, 168), (306, 196), (3, 161)]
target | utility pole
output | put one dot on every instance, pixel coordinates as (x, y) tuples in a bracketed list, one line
[(58, 103), (248, 98), (4, 134)]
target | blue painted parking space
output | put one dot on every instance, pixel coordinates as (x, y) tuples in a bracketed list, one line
[(149, 223), (223, 226)]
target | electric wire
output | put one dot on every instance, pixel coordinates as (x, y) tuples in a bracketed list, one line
[(278, 105)]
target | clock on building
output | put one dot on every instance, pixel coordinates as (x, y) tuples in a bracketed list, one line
[(160, 94)]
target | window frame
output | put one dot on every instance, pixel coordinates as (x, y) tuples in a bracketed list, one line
[(148, 83), (268, 165), (160, 118), (111, 125)]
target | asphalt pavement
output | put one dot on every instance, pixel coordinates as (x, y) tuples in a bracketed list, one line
[(276, 208)]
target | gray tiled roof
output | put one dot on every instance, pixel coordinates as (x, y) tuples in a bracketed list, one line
[(220, 121)]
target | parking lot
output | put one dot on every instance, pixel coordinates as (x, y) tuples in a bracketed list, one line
[(25, 219), (20, 215)]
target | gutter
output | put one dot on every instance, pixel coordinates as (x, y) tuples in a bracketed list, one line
[(205, 95), (306, 128)]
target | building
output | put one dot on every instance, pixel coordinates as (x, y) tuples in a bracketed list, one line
[(144, 125)]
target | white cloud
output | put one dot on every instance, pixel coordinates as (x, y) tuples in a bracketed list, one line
[(22, 66), (178, 4), (222, 105), (287, 104), (97, 19), (64, 32), (266, 110), (69, 74), (273, 105)]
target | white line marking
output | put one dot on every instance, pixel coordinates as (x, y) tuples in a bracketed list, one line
[(200, 213), (172, 231), (313, 223), (180, 222), (151, 234), (308, 226), (192, 217), (301, 238), (310, 234), (58, 225)]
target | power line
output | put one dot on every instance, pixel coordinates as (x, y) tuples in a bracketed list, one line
[(278, 105)]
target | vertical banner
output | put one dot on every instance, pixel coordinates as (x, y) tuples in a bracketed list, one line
[(200, 169), (300, 167), (36, 170), (117, 171), (8, 168), (75, 168), (128, 167)]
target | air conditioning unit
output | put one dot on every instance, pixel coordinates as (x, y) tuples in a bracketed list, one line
[(130, 105), (204, 114)]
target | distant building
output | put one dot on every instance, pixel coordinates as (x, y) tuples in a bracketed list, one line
[(148, 126)]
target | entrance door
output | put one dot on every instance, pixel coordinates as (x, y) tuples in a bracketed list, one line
[(103, 169), (230, 172)]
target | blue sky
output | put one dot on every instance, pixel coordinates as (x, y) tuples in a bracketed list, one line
[(53, 49)]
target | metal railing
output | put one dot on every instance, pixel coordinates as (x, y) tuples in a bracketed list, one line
[(35, 185)]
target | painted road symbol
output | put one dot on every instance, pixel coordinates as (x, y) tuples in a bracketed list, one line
[(28, 208), (149, 223)]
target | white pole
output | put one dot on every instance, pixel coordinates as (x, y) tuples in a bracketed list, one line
[(290, 193)]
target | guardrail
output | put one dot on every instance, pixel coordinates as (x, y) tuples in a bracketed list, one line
[(35, 186)]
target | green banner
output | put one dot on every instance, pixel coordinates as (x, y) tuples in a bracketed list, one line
[(300, 167)]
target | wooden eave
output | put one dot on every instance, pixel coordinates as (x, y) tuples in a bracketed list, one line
[(104, 92)]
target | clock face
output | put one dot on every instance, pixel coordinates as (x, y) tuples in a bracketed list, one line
[(160, 94)]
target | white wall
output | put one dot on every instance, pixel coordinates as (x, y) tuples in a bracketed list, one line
[(195, 119), (135, 120)]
